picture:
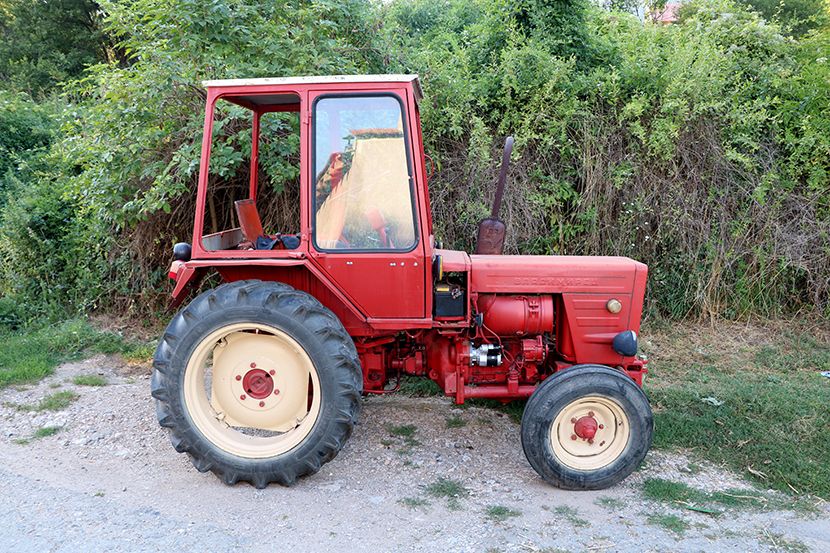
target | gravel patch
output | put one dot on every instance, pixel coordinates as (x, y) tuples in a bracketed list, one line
[(109, 480)]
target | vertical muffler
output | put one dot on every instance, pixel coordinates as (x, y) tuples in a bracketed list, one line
[(490, 239)]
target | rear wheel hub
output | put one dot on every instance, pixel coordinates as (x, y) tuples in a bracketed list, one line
[(258, 383)]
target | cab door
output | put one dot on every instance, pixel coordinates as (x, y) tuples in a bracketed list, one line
[(364, 223)]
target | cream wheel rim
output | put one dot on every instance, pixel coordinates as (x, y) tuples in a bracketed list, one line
[(590, 433), (247, 388)]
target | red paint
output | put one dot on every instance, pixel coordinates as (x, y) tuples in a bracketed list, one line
[(517, 315), (248, 217), (586, 427), (258, 383), (546, 313)]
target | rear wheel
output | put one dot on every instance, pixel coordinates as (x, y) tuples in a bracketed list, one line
[(586, 428), (257, 382)]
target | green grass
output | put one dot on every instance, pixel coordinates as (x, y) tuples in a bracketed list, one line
[(43, 432), (138, 352), (89, 380), (455, 421), (32, 354), (402, 430), (447, 487), (763, 411), (571, 515), (405, 433), (57, 401), (419, 386), (500, 513), (513, 409), (658, 489), (46, 431), (610, 503), (54, 402), (780, 542), (672, 523), (414, 502), (451, 490)]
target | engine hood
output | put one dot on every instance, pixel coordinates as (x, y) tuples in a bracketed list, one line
[(552, 274)]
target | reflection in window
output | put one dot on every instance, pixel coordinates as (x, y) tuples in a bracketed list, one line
[(362, 191)]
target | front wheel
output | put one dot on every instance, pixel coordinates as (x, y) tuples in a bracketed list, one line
[(258, 382), (586, 428)]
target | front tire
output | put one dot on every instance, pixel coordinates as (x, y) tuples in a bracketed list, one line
[(586, 428), (257, 382)]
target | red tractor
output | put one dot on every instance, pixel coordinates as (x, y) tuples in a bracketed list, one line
[(260, 378)]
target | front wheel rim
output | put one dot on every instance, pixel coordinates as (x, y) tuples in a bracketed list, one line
[(590, 433), (252, 390)]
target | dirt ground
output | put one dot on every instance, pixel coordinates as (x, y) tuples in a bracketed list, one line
[(110, 481)]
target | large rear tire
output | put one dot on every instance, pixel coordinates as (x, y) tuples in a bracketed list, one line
[(257, 382), (586, 428)]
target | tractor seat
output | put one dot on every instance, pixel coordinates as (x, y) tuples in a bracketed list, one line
[(252, 231), (249, 220)]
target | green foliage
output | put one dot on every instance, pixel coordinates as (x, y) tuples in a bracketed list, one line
[(57, 401), (54, 402), (25, 128), (414, 502), (43, 44), (701, 148), (798, 16)]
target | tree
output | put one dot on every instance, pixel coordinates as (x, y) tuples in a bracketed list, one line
[(800, 16), (44, 43)]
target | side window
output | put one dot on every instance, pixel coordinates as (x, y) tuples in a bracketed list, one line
[(362, 193), (275, 211)]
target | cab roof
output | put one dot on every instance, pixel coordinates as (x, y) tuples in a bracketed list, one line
[(322, 79)]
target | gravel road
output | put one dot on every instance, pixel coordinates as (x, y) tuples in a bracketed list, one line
[(110, 481)]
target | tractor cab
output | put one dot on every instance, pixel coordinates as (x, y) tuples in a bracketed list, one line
[(355, 198)]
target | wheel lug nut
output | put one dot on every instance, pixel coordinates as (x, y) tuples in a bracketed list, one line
[(590, 413), (601, 426), (573, 436), (262, 404), (590, 440), (242, 397), (238, 377), (573, 420), (253, 365), (276, 392), (272, 372)]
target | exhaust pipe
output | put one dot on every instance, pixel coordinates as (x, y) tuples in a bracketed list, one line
[(491, 231)]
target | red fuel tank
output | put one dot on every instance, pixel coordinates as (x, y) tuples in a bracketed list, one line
[(517, 315)]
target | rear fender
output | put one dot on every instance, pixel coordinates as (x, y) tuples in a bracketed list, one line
[(187, 279)]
